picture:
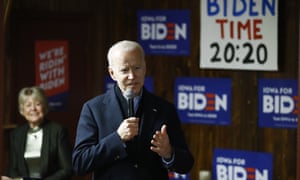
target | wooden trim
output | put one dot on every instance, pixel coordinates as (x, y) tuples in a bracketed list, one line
[(1, 83)]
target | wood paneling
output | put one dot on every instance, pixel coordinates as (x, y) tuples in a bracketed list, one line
[(116, 19), (1, 82)]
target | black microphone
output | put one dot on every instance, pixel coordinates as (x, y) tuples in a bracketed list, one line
[(129, 94)]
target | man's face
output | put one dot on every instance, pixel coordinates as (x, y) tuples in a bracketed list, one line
[(128, 69)]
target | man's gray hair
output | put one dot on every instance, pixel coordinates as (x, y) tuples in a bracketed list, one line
[(123, 46)]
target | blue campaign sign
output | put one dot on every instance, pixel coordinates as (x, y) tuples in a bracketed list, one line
[(177, 176), (241, 165), (58, 102), (203, 100), (109, 83), (278, 99), (164, 32)]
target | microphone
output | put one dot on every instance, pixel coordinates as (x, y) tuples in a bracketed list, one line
[(129, 94)]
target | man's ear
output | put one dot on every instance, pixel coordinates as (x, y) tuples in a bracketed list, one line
[(111, 73)]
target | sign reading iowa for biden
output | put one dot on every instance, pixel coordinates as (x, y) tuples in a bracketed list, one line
[(165, 32), (242, 165), (203, 100), (109, 83), (278, 102)]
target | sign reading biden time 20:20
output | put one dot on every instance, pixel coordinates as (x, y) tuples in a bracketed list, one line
[(239, 34)]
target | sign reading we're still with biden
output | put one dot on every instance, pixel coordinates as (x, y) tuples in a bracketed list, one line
[(239, 34)]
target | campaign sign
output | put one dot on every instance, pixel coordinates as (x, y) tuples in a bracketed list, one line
[(164, 32), (278, 102), (177, 176), (203, 100), (239, 34), (242, 165), (52, 71), (109, 83)]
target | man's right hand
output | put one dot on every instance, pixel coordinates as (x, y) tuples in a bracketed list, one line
[(129, 128)]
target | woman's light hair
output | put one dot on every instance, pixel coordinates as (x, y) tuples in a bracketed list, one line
[(123, 46), (37, 94)]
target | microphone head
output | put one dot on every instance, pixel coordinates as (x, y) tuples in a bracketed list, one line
[(129, 94)]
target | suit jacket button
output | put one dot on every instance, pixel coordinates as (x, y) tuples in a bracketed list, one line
[(136, 165)]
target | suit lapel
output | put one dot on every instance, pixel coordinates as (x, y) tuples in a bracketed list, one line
[(23, 137), (22, 141), (45, 149), (112, 110), (150, 117)]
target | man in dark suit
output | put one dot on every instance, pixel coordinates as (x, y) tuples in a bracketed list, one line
[(116, 141)]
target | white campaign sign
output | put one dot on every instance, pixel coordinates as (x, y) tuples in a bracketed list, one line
[(239, 34)]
